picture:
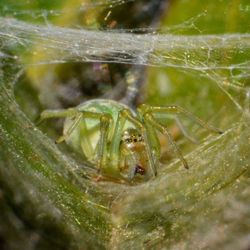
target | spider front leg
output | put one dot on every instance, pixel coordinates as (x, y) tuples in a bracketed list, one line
[(62, 113), (78, 118), (57, 113), (126, 116), (161, 112), (152, 121), (151, 114)]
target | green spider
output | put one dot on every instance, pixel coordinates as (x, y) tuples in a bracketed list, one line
[(120, 142)]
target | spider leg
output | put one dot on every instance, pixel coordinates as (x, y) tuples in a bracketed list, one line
[(184, 131), (116, 139), (177, 110), (62, 113), (105, 121), (145, 108), (72, 127), (123, 116), (152, 147), (150, 119), (85, 140), (197, 120), (80, 116), (57, 113)]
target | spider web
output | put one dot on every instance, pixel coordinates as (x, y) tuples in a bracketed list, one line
[(33, 37), (210, 55)]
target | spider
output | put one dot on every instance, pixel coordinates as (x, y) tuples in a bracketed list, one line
[(121, 142)]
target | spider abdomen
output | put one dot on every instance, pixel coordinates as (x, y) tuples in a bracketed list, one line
[(86, 135)]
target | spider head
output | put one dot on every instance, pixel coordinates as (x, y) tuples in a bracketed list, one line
[(132, 140)]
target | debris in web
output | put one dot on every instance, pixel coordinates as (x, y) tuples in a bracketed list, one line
[(212, 55)]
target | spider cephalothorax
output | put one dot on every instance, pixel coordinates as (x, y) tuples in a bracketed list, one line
[(118, 141), (132, 140)]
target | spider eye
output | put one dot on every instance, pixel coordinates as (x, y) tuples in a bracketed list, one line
[(128, 140)]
